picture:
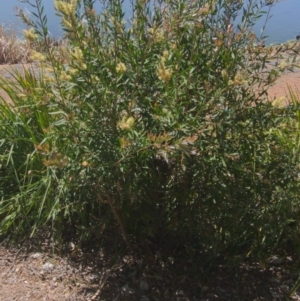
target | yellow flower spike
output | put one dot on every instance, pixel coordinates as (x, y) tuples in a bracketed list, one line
[(240, 79), (77, 54), (126, 124), (173, 46), (124, 143), (49, 79), (279, 102), (58, 5), (165, 54), (21, 95), (157, 34), (224, 74), (121, 68), (282, 65), (82, 66), (49, 69), (37, 56), (30, 35), (85, 164), (73, 71), (39, 90), (67, 8), (67, 24), (130, 122), (64, 76), (151, 30), (163, 73)]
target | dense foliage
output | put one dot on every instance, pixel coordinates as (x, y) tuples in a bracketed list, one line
[(156, 125)]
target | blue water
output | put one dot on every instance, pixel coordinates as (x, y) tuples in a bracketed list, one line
[(284, 24)]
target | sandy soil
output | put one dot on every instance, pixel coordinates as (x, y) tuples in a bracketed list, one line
[(280, 87)]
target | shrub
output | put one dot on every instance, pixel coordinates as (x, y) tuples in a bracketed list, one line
[(157, 125)]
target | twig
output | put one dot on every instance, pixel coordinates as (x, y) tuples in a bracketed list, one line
[(117, 216)]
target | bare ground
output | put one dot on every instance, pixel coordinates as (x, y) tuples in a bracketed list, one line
[(107, 276)]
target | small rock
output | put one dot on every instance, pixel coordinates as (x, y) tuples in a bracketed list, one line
[(144, 286), (180, 293), (36, 255), (285, 288), (71, 246), (144, 298), (48, 267), (171, 260), (125, 288), (275, 294), (275, 260), (204, 289)]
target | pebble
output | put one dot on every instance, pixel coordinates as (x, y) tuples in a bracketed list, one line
[(47, 267), (36, 255), (144, 286)]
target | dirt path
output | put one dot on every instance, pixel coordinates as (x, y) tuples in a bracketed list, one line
[(39, 277), (280, 88)]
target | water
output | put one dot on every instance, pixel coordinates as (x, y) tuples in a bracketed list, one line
[(284, 24)]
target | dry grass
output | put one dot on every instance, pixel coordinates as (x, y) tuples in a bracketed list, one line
[(12, 49)]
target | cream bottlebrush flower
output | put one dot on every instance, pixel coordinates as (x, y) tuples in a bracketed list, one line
[(67, 8), (67, 24), (82, 66), (77, 54), (157, 34), (49, 69), (78, 58), (118, 25), (240, 79), (163, 73), (279, 102), (121, 68), (224, 74), (73, 71), (282, 65), (151, 30), (49, 79), (126, 124), (37, 56), (30, 35), (165, 54), (64, 76), (21, 95)]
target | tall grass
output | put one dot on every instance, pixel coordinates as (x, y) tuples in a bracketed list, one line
[(157, 126), (13, 50)]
